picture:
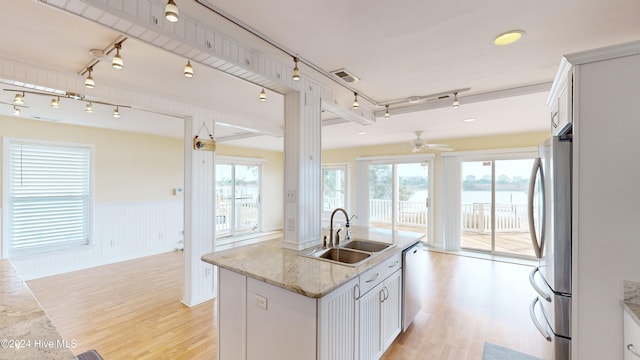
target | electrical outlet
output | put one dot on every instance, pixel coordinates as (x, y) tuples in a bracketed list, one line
[(291, 224), (291, 196), (261, 301)]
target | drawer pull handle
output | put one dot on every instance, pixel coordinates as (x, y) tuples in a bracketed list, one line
[(631, 348), (374, 279), (393, 265)]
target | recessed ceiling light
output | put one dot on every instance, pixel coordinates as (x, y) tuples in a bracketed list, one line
[(361, 133), (508, 38), (469, 120)]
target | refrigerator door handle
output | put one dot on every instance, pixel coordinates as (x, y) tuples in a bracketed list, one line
[(537, 288), (539, 326), (535, 173)]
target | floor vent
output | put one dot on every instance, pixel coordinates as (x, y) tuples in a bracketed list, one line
[(345, 75)]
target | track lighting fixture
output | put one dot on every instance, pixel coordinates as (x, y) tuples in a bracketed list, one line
[(171, 12), (117, 61), (355, 104), (89, 107), (88, 82), (387, 115), (296, 71), (188, 69), (456, 103), (116, 112), (19, 99), (55, 102), (263, 96), (16, 111)]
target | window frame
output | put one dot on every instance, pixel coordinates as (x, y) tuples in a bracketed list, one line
[(347, 184), (6, 198)]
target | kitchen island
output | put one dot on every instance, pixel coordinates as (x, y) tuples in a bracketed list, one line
[(275, 303), (26, 331)]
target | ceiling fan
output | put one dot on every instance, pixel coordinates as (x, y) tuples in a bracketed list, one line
[(418, 144)]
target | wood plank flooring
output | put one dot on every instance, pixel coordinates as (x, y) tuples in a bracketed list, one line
[(132, 310)]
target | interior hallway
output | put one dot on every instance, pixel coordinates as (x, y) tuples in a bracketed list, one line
[(132, 309)]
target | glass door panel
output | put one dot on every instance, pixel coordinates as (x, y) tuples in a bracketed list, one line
[(246, 198), (333, 188), (511, 218), (224, 199), (380, 196), (413, 197), (476, 203)]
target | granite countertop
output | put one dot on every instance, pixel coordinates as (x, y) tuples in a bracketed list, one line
[(268, 261), (25, 330), (631, 299)]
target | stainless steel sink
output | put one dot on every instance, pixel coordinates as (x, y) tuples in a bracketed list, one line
[(344, 255), (366, 245)]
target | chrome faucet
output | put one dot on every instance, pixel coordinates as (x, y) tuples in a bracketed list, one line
[(346, 216)]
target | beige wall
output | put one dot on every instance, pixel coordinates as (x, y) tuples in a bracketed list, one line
[(129, 167), (273, 182)]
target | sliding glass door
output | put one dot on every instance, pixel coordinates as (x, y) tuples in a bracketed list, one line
[(494, 206), (399, 196), (238, 196)]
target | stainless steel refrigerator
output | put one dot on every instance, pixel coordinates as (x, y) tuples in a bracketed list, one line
[(550, 226)]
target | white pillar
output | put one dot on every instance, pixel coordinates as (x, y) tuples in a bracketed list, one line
[(302, 169), (199, 223)]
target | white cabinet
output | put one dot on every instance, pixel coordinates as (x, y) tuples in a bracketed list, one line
[(391, 309), (631, 338), (338, 323), (560, 99)]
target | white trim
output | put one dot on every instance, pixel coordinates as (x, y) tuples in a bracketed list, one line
[(604, 53), (559, 81), (397, 158), (506, 152), (239, 160)]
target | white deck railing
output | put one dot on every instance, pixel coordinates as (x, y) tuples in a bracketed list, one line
[(475, 217), (246, 216)]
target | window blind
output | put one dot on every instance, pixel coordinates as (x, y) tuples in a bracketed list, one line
[(50, 197)]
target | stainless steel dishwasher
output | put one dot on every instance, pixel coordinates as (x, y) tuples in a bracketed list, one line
[(414, 266)]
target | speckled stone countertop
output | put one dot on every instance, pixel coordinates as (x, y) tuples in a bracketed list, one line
[(631, 299), (25, 330), (268, 261)]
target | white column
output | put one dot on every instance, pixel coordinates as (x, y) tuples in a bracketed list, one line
[(198, 215), (302, 169)]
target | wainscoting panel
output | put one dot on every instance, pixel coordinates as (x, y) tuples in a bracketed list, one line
[(122, 231)]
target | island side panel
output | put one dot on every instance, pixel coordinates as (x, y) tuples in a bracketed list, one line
[(280, 324), (232, 305)]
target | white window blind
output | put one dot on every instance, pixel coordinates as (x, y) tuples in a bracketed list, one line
[(49, 197)]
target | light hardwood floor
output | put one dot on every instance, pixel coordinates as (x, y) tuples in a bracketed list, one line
[(132, 310)]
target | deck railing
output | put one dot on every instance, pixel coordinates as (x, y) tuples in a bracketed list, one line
[(246, 215), (475, 217)]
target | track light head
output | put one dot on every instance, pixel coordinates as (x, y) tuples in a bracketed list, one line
[(89, 82), (89, 107), (16, 111), (355, 104), (188, 69), (116, 112), (55, 103), (19, 99), (387, 115), (296, 71), (455, 103), (171, 12), (263, 96), (117, 61)]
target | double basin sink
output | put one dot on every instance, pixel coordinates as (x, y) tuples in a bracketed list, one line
[(351, 253)]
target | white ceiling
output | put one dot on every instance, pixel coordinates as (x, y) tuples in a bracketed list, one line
[(399, 50)]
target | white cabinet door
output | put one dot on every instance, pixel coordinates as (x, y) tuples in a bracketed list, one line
[(338, 323), (631, 338), (370, 305), (391, 309)]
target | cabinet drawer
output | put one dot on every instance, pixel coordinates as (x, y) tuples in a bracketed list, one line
[(631, 338), (378, 273)]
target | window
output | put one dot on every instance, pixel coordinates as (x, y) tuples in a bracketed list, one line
[(334, 184), (48, 196), (238, 193)]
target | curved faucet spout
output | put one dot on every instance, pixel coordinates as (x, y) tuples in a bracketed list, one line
[(346, 216)]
